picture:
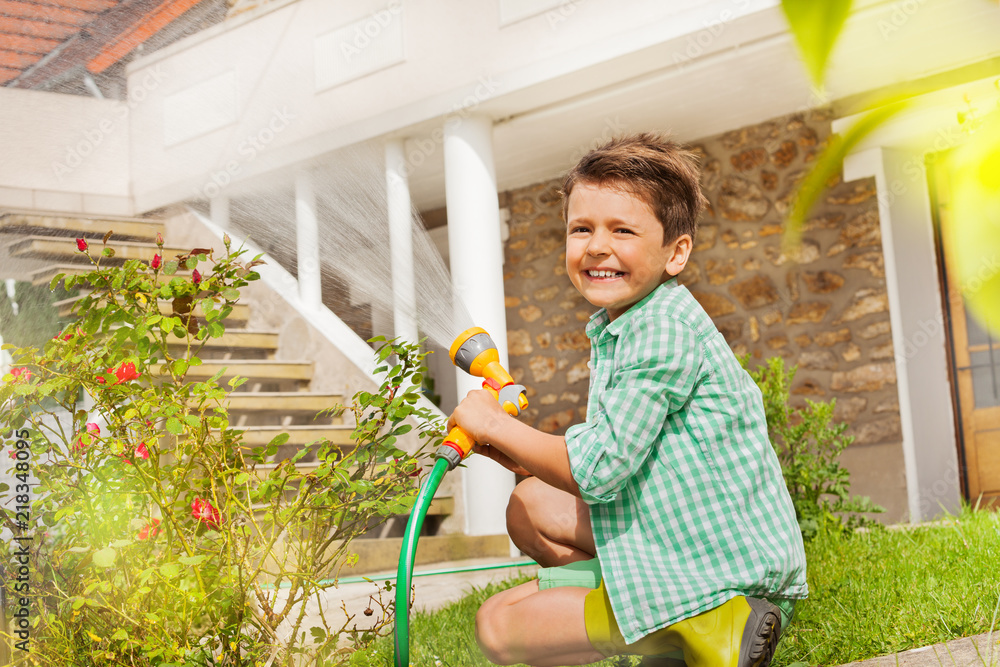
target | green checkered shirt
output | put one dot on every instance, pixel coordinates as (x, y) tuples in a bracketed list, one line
[(686, 497)]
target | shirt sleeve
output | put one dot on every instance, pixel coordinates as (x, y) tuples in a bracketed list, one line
[(657, 367)]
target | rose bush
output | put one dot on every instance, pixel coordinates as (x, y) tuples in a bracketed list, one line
[(159, 538)]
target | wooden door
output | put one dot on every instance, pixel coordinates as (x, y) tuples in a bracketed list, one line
[(975, 364)]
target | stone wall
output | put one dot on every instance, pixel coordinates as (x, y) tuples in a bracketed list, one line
[(823, 308)]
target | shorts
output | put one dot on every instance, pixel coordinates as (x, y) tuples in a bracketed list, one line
[(602, 628)]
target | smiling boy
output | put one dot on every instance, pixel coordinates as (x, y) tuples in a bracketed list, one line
[(662, 524)]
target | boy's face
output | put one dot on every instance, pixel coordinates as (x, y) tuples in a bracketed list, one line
[(615, 254)]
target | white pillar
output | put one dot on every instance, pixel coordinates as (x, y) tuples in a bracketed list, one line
[(307, 239), (404, 292), (219, 211), (915, 313), (477, 275)]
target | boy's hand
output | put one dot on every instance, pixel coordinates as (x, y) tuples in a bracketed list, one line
[(479, 415)]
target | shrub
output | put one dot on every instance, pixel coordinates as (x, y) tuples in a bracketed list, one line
[(808, 445), (156, 536)]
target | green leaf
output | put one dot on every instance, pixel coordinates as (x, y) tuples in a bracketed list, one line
[(278, 440), (191, 263), (816, 25), (121, 635), (55, 280), (79, 602), (170, 570), (170, 268), (231, 293), (831, 161), (105, 557), (180, 367), (118, 544), (975, 213), (241, 478), (175, 426), (192, 560)]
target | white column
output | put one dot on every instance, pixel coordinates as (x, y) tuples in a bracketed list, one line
[(918, 334), (404, 293), (307, 239), (477, 275), (219, 211)]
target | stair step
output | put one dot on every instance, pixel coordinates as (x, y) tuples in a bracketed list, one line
[(45, 275), (35, 224), (255, 369), (282, 401), (240, 340), (239, 315), (64, 249), (259, 436)]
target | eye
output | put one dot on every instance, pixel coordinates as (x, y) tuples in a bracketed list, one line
[(624, 230), (578, 229)]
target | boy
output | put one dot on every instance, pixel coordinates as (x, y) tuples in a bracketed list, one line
[(671, 483)]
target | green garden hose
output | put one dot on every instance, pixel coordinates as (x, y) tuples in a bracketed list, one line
[(408, 554)]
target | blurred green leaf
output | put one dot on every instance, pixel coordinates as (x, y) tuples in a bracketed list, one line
[(105, 557), (830, 163), (975, 181), (816, 26)]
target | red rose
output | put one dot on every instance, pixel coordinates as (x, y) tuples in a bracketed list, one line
[(203, 511), (81, 245), (21, 374), (195, 277), (142, 451), (150, 530), (156, 262), (125, 373)]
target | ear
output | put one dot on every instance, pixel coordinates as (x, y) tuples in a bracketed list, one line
[(679, 254)]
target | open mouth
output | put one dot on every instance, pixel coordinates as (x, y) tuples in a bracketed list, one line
[(604, 273)]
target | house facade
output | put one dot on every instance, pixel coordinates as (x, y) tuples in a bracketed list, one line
[(315, 129)]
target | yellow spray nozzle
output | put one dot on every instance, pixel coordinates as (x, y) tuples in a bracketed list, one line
[(475, 353)]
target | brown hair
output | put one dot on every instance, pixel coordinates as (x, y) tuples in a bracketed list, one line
[(652, 168)]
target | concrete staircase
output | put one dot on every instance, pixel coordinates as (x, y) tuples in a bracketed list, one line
[(275, 399)]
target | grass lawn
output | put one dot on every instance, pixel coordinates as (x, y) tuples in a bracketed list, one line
[(872, 593)]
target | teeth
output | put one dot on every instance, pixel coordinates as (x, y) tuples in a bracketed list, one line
[(602, 274)]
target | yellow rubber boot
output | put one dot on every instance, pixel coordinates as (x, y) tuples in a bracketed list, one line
[(743, 632)]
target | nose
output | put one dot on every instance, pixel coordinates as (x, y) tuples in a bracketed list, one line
[(598, 244)]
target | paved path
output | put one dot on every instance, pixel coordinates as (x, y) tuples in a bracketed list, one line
[(981, 650), (349, 601)]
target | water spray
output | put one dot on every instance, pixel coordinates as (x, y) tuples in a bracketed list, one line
[(475, 353)]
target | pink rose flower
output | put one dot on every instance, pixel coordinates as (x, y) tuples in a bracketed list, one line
[(21, 374), (156, 262), (93, 429), (203, 511)]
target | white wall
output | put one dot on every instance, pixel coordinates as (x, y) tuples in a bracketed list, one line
[(63, 152)]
